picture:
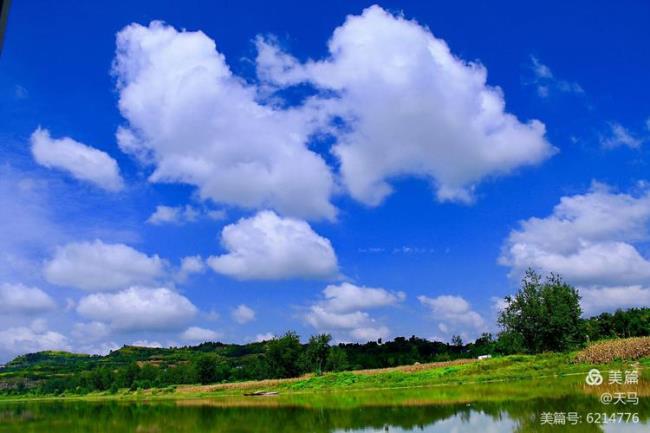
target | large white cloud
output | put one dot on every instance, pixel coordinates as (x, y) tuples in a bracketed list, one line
[(322, 318), (588, 238), (22, 339), (347, 297), (100, 266), (455, 316), (20, 299), (342, 310), (593, 241), (139, 309), (268, 247), (199, 124), (411, 108), (81, 161), (599, 299)]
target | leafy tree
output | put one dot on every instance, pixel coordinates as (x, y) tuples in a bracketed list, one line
[(316, 352), (456, 341), (127, 376), (543, 315), (283, 355), (206, 369), (634, 322), (337, 359), (149, 373)]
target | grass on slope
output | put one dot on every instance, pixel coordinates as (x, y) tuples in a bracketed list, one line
[(508, 368)]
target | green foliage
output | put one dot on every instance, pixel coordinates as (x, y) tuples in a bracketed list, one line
[(315, 355), (206, 369), (337, 360), (634, 322), (283, 355), (543, 316)]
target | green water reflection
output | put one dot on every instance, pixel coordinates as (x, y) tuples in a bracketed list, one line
[(210, 416)]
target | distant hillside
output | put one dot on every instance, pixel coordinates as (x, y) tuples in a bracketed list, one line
[(48, 361), (44, 363)]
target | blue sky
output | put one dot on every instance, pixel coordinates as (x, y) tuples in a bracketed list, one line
[(368, 171)]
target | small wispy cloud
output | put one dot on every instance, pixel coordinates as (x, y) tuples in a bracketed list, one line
[(546, 82), (183, 214), (618, 136)]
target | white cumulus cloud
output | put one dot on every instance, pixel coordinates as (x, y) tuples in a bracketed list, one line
[(269, 247), (370, 333), (342, 310), (190, 265), (172, 215), (21, 339), (598, 299), (243, 314), (97, 266), (455, 315), (347, 297), (410, 107), (20, 299), (139, 309), (197, 334), (321, 318), (593, 240), (588, 238), (197, 123), (81, 161)]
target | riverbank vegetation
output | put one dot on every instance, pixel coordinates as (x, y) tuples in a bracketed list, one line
[(508, 377)]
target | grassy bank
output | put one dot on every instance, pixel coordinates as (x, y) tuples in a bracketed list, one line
[(504, 369), (509, 377)]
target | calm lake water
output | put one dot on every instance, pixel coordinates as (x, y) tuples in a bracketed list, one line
[(207, 416)]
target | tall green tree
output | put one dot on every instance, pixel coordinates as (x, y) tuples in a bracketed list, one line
[(283, 355), (206, 369), (542, 316), (456, 341), (316, 352), (337, 359)]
